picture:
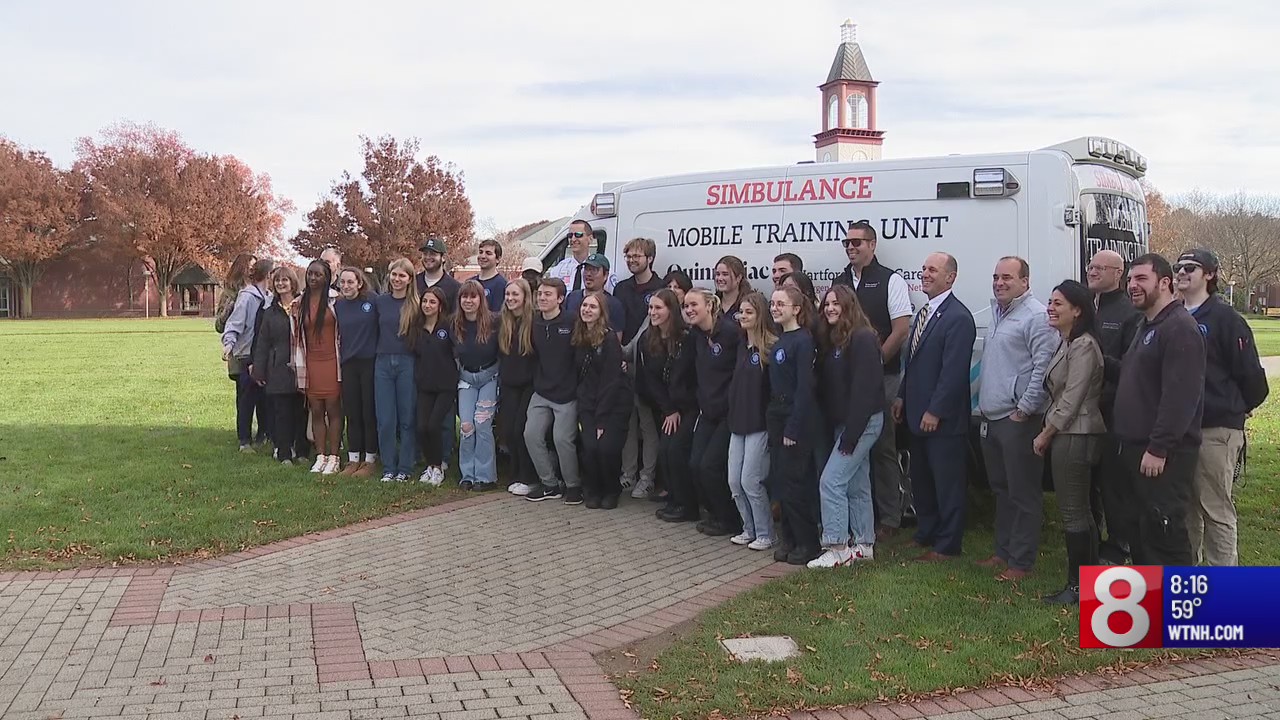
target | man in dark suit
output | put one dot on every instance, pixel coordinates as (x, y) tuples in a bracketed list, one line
[(934, 397)]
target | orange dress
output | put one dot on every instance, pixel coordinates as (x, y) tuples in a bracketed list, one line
[(322, 354)]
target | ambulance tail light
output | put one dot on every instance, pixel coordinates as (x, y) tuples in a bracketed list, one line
[(993, 182), (604, 204)]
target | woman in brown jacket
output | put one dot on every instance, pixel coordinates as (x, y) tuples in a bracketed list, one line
[(1073, 426)]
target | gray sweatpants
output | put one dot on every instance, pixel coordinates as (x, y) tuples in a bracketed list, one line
[(562, 419)]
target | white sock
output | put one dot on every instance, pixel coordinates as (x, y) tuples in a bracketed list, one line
[(353, 457), (371, 457)]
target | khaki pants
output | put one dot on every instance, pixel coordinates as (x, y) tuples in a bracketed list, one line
[(1211, 518)]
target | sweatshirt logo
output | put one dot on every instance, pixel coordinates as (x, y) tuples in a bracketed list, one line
[(564, 330), (1204, 330), (780, 356), (837, 353), (755, 358), (1146, 339), (367, 307), (715, 349), (442, 334)]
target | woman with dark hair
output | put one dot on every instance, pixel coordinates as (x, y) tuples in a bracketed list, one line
[(664, 380), (516, 363), (790, 418), (604, 402), (1073, 426), (851, 374), (435, 373), (317, 365), (731, 284), (273, 368), (358, 339), (678, 282), (803, 283), (475, 337)]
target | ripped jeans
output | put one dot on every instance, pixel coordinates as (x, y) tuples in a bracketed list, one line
[(477, 401)]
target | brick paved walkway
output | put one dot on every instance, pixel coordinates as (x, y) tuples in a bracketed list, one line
[(428, 614)]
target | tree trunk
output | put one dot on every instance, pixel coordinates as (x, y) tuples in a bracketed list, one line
[(25, 308), (164, 298), (26, 273)]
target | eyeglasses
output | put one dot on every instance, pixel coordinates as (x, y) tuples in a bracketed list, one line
[(1188, 268), (635, 256), (1100, 268), (576, 234)]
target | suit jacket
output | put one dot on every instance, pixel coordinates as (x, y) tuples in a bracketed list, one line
[(936, 376), (1074, 382)]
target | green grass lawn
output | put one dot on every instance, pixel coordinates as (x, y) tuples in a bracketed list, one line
[(892, 628), (118, 445), (1266, 333)]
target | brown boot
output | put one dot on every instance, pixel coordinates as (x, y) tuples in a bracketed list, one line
[(364, 470), (352, 468)]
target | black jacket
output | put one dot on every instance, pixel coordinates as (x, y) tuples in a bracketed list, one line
[(1160, 399), (666, 380), (748, 392), (849, 376), (554, 377), (1116, 322), (1235, 383), (272, 351), (604, 388), (714, 358), (516, 370), (434, 368)]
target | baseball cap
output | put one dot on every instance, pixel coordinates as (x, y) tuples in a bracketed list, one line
[(531, 263), (1201, 257), (434, 244), (597, 260)]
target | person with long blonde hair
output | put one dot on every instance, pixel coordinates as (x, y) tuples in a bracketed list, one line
[(605, 401), (516, 363), (394, 390), (475, 337), (748, 433)]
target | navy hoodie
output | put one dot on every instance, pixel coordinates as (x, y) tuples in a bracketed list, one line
[(554, 377), (715, 356), (852, 381), (791, 377), (748, 392)]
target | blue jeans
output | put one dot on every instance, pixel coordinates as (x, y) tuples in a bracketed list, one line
[(748, 469), (395, 402), (477, 402), (845, 488)]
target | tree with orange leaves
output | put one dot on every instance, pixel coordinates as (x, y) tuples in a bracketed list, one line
[(172, 207), (39, 216), (391, 208)]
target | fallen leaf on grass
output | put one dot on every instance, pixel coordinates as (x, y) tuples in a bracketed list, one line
[(209, 658), (628, 654), (159, 682), (186, 466)]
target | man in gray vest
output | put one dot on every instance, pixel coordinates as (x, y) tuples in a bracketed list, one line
[(884, 298)]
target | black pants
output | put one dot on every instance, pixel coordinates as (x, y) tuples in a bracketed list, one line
[(1158, 530), (357, 406), (674, 472), (709, 458), (432, 409), (601, 464), (251, 400), (1114, 495), (288, 425), (513, 413), (792, 479)]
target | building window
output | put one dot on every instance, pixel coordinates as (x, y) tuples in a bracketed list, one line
[(4, 298), (826, 157), (833, 113), (857, 116)]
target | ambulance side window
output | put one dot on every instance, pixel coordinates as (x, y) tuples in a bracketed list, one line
[(602, 240), (557, 253)]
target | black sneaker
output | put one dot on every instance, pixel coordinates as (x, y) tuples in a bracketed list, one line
[(591, 501), (609, 502), (573, 496), (466, 485), (543, 492), (483, 487)]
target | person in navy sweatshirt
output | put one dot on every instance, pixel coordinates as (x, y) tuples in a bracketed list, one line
[(516, 363), (853, 407), (716, 339), (554, 405), (790, 419), (435, 373), (748, 431), (665, 378), (475, 336), (393, 384), (604, 402), (358, 340)]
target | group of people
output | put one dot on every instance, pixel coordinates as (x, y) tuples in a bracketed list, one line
[(772, 419)]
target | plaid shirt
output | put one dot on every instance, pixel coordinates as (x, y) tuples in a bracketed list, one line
[(298, 342)]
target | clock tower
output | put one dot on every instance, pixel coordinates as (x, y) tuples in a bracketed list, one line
[(848, 106)]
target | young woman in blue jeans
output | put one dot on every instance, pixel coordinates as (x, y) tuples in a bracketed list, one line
[(748, 431), (475, 337), (395, 394), (851, 374)]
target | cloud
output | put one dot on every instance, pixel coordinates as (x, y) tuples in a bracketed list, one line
[(539, 103)]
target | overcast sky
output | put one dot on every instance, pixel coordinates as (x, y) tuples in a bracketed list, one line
[(540, 102)]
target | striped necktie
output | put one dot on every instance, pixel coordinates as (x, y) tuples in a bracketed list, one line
[(921, 318)]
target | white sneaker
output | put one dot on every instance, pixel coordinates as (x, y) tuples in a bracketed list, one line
[(518, 489), (426, 475), (318, 465), (642, 489), (742, 539), (832, 558), (437, 477), (625, 482), (388, 477), (864, 552), (761, 544), (330, 466)]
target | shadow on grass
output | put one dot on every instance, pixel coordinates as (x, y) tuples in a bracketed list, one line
[(77, 495)]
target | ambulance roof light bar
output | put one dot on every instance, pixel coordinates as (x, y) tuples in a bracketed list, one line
[(1106, 151)]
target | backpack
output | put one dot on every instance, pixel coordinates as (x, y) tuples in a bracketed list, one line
[(226, 302)]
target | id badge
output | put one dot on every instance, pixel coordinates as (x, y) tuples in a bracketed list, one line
[(982, 429)]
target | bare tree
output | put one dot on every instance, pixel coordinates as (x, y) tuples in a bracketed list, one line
[(1242, 229)]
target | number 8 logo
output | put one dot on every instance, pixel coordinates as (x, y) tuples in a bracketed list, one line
[(1109, 605)]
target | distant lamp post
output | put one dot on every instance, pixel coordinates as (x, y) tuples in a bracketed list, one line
[(1231, 293), (146, 293)]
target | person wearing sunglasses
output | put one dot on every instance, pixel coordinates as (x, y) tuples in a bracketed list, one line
[(1235, 384), (573, 266), (1116, 322), (883, 296)]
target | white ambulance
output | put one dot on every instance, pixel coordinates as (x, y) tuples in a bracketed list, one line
[(1054, 207)]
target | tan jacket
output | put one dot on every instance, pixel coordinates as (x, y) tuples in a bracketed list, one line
[(1074, 382)]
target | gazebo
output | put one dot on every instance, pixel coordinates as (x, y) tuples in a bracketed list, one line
[(195, 290)]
